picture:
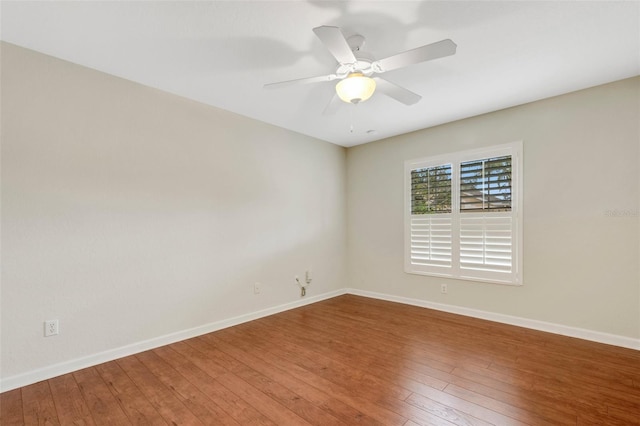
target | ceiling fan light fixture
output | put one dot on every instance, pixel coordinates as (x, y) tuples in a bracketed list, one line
[(355, 88)]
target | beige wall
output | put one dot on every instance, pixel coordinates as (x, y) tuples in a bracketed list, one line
[(581, 156), (128, 213)]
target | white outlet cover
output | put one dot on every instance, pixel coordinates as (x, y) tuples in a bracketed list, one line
[(51, 328)]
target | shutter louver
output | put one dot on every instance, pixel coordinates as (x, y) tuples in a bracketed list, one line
[(486, 242), (431, 240)]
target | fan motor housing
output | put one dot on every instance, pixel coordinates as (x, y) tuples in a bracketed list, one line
[(363, 59), (362, 65)]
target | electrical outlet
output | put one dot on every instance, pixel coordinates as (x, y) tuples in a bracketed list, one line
[(257, 288), (443, 288), (51, 328)]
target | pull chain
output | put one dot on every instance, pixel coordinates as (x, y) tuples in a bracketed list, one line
[(351, 117)]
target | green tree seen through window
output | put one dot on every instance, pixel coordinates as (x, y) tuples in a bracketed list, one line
[(431, 190)]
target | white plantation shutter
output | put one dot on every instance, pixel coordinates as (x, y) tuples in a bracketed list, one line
[(464, 215), (430, 229), (486, 244), (486, 219), (431, 242)]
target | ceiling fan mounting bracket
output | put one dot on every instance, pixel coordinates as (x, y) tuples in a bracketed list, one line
[(356, 42)]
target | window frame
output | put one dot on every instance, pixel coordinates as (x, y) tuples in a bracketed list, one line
[(514, 149)]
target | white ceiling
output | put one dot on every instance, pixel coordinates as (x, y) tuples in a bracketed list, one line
[(222, 52)]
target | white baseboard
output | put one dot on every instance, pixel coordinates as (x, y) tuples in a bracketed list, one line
[(580, 333), (55, 370)]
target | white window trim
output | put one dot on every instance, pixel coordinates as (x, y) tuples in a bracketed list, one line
[(455, 272)]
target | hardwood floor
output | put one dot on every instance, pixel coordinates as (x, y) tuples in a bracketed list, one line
[(345, 361)]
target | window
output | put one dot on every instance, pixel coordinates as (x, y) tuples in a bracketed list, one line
[(464, 215)]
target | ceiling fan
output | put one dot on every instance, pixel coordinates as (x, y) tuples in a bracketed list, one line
[(356, 68)]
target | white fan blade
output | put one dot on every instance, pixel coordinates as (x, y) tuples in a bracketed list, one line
[(307, 80), (431, 51), (333, 40), (396, 92), (333, 105)]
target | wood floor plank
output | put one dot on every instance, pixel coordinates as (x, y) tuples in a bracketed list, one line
[(199, 349), (290, 361), (205, 362), (276, 392), (382, 358), (11, 408), (632, 417), (135, 405), (272, 409), (426, 346), (479, 414), (528, 417), (542, 367), (249, 353), (549, 409), (312, 356), (410, 380), (38, 406), (70, 406), (198, 375), (507, 390), (163, 400), (590, 418), (553, 383), (345, 361), (504, 406), (387, 342), (104, 407), (294, 402), (420, 326), (447, 412), (413, 412), (193, 398)]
